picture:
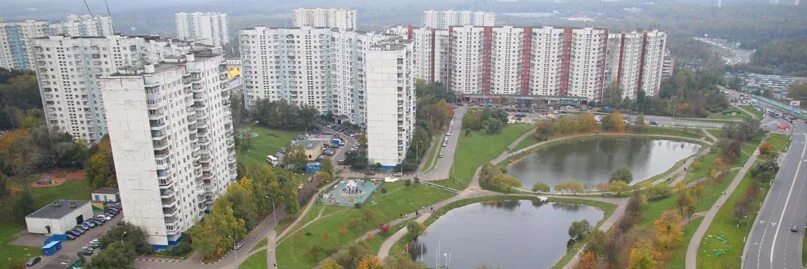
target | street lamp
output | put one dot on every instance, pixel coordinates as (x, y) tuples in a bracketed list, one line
[(121, 237), (235, 265), (274, 216)]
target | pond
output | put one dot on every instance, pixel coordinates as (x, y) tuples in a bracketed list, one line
[(501, 234), (591, 161)]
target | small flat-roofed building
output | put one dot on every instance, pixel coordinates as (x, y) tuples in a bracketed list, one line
[(106, 194), (58, 217), (312, 148)]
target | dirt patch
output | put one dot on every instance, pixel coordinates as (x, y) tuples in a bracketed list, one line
[(56, 178)]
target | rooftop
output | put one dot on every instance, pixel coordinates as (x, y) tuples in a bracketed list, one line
[(58, 209), (311, 144), (107, 190)]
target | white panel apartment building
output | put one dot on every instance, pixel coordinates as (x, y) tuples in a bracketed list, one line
[(83, 25), (635, 62), (321, 68), (68, 71), (209, 28), (340, 18), (172, 137), (390, 101), (442, 19), (16, 48)]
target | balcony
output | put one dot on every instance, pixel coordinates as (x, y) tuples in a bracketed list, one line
[(166, 183), (167, 193), (169, 202), (170, 211), (170, 220), (160, 144)]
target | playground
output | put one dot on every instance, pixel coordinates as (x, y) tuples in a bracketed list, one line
[(349, 192)]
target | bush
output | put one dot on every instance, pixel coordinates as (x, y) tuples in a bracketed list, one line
[(540, 187), (357, 205), (659, 192), (407, 182), (622, 174), (383, 190)]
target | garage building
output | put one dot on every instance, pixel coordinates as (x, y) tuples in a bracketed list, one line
[(58, 217)]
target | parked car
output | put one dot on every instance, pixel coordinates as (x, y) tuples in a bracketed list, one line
[(85, 251), (652, 122), (95, 243), (95, 222), (72, 233), (86, 226), (794, 229), (33, 261), (70, 236)]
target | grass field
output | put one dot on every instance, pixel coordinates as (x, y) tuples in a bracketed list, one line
[(476, 149), (723, 243), (431, 160), (256, 261), (263, 141), (295, 251), (11, 255), (753, 110), (685, 132), (731, 113), (525, 143)]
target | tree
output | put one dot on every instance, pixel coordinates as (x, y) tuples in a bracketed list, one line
[(369, 262), (798, 91), (569, 186), (23, 205), (295, 156), (578, 229), (492, 126), (544, 129), (668, 229), (587, 261), (686, 203), (622, 174), (596, 243), (730, 151), (415, 228), (642, 255), (618, 187), (493, 178), (218, 231), (586, 122), (614, 122), (639, 124), (765, 148), (540, 187), (100, 166), (350, 256), (765, 171), (131, 235), (3, 186), (116, 255), (239, 194)]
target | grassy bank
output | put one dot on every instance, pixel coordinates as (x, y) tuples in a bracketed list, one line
[(262, 141), (256, 261), (431, 161), (476, 149), (338, 222)]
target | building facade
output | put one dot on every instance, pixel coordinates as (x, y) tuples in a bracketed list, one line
[(344, 19), (210, 28), (58, 217), (172, 137), (442, 19), (83, 25), (525, 61), (635, 62), (390, 101), (16, 46)]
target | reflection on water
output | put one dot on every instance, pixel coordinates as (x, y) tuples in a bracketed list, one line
[(505, 234), (591, 161)]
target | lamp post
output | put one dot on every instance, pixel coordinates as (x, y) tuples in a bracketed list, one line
[(121, 237), (235, 265), (274, 216)]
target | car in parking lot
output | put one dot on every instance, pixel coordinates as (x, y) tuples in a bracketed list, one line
[(70, 236), (33, 261), (85, 251), (95, 243)]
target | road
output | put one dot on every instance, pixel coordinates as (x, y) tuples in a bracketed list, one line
[(771, 244), (680, 122)]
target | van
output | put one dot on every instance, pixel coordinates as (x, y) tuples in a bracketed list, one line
[(272, 160)]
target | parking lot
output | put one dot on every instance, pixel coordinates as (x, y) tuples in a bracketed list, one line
[(69, 247)]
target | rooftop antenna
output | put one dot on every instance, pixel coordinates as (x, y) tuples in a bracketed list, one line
[(88, 7)]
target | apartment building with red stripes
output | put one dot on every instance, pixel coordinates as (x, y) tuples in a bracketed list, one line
[(538, 61)]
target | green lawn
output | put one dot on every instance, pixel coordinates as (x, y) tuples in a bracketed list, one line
[(804, 249), (475, 149), (723, 243), (11, 255), (261, 244), (731, 113), (263, 142), (256, 261), (525, 143), (753, 110), (685, 132), (294, 251), (71, 189)]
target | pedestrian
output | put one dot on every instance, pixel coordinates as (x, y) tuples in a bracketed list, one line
[(432, 208)]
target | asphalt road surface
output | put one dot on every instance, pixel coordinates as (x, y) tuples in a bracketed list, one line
[(771, 243)]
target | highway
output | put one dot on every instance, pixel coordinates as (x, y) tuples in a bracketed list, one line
[(771, 243)]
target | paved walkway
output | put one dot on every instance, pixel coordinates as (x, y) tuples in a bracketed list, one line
[(695, 242)]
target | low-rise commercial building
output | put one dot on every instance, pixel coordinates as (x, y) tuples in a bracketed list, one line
[(58, 217)]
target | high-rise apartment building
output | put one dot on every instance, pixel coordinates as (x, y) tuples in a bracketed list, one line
[(210, 28), (390, 101), (547, 61), (16, 48), (340, 18), (83, 25), (172, 137), (322, 68), (68, 71), (442, 19), (635, 62)]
